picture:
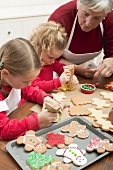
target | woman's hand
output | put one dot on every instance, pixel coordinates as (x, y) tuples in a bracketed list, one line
[(46, 118), (105, 68), (83, 70)]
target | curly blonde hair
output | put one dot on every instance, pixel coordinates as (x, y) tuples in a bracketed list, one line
[(48, 36)]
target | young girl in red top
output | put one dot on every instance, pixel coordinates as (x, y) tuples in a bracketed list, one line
[(49, 41), (19, 64)]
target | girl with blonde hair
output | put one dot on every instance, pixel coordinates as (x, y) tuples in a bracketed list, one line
[(49, 41), (19, 64)]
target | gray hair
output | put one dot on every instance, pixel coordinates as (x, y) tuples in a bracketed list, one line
[(97, 5)]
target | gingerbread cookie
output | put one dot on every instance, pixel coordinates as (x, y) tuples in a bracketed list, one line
[(68, 85), (80, 100), (59, 96), (99, 103), (97, 113), (32, 142), (58, 165), (105, 125), (58, 140), (109, 85), (100, 145), (75, 129), (78, 111), (108, 96), (73, 154), (38, 160)]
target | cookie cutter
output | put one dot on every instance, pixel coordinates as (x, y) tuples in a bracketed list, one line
[(89, 88)]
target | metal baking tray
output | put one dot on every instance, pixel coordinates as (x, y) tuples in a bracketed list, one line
[(20, 156)]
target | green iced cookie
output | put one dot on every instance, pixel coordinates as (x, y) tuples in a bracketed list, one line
[(38, 160)]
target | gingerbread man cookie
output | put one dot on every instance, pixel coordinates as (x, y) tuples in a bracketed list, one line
[(109, 85), (32, 142), (75, 129), (73, 154), (108, 96), (80, 100), (105, 125), (38, 160), (59, 96), (99, 103), (78, 111), (97, 113), (58, 140), (57, 165), (100, 145)]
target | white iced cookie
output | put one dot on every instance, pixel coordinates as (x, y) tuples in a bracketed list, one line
[(99, 103), (59, 96), (108, 96), (73, 154)]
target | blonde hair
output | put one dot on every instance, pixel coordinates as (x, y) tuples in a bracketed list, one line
[(18, 56), (48, 36), (97, 5)]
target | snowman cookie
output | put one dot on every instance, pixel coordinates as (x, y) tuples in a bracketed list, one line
[(73, 154)]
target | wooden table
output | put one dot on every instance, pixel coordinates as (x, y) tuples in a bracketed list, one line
[(8, 163)]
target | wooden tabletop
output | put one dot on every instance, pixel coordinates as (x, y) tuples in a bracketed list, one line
[(8, 163)]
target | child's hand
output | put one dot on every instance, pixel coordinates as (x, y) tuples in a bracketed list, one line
[(75, 80), (65, 77), (46, 118)]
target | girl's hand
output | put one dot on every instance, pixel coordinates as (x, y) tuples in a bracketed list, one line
[(75, 80), (46, 118), (65, 76)]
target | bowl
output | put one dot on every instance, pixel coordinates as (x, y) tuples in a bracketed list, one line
[(88, 88)]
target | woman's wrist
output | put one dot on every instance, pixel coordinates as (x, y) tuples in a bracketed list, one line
[(76, 69)]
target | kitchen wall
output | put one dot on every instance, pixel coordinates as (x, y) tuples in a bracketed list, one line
[(19, 3)]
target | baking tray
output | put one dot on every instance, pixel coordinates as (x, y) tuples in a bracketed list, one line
[(20, 156)]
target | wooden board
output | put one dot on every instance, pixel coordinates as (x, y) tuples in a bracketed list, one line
[(76, 92)]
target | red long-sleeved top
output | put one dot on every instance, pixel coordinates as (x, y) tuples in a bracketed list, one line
[(45, 79), (12, 128), (85, 42)]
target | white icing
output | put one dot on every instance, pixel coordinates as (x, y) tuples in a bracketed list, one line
[(73, 154)]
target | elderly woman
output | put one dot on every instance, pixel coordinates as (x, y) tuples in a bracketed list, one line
[(89, 25)]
